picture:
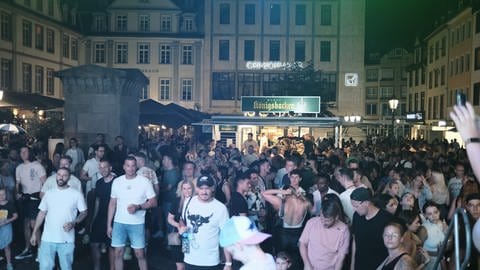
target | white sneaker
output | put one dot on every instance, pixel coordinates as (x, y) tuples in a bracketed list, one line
[(26, 253)]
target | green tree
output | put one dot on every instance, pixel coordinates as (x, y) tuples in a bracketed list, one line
[(304, 80)]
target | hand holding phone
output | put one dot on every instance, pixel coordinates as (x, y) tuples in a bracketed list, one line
[(461, 99)]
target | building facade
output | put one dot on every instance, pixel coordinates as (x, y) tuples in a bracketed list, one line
[(204, 55), (386, 78), (446, 55), (37, 38), (249, 46), (156, 37)]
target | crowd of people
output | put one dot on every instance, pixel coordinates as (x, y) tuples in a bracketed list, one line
[(297, 204)]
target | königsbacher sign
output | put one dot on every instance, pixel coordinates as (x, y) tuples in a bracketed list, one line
[(297, 104)]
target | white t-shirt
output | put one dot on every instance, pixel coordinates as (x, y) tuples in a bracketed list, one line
[(51, 183), (62, 206), (29, 174), (149, 174), (347, 203), (317, 200), (204, 220), (91, 167), (131, 191)]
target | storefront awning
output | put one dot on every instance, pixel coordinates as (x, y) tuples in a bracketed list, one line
[(321, 122), (30, 101)]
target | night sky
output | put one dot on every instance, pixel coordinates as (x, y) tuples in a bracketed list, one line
[(396, 23)]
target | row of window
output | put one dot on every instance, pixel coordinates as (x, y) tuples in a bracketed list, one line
[(40, 77), (460, 65), (262, 84), (437, 76), (439, 49), (144, 23), (6, 73), (274, 50), (416, 102), (371, 109), (40, 5), (435, 107), (45, 39), (250, 14), (386, 74), (417, 76), (460, 33), (165, 91), (143, 53), (384, 92)]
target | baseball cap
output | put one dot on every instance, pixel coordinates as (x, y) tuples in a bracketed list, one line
[(361, 194), (205, 181), (240, 229)]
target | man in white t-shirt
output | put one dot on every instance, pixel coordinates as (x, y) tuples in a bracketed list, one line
[(61, 209), (51, 182), (205, 216), (131, 195), (346, 180), (90, 172), (30, 176)]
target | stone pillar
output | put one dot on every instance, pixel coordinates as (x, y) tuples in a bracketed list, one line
[(101, 100)]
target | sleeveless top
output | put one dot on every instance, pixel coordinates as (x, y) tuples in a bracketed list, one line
[(392, 263)]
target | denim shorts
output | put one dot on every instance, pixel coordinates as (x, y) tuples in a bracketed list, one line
[(134, 232), (47, 251)]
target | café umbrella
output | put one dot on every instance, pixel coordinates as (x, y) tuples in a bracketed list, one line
[(11, 128)]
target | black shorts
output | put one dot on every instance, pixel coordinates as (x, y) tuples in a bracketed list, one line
[(30, 208), (98, 233), (176, 254)]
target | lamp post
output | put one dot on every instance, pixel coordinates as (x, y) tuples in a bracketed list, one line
[(393, 104)]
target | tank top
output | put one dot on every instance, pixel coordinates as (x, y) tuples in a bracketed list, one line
[(392, 263)]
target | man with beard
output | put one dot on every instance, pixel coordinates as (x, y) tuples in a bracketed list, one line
[(60, 210)]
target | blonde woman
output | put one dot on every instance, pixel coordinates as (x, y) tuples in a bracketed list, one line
[(185, 191)]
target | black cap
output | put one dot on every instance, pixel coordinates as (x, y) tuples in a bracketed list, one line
[(361, 194), (205, 181)]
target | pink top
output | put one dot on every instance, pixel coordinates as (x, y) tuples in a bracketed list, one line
[(325, 245)]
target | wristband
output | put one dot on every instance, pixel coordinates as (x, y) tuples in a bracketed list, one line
[(472, 140), (228, 263)]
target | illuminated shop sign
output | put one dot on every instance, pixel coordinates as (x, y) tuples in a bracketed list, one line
[(296, 104), (273, 65), (415, 117), (228, 128)]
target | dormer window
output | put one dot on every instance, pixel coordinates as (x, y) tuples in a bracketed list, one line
[(188, 25), (100, 23), (144, 23), (166, 23)]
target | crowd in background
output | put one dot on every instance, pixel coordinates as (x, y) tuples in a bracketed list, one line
[(369, 204)]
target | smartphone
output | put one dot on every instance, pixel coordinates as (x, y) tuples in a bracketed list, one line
[(461, 99)]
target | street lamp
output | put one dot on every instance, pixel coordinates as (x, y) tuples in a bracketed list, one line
[(393, 105)]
